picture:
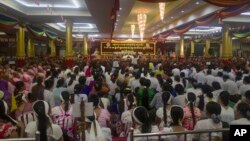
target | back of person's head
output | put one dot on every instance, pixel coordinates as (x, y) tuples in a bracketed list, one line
[(182, 74), (77, 89), (216, 85), (141, 117), (224, 98), (152, 74), (167, 87), (130, 101), (142, 81), (213, 110), (137, 75), (177, 78), (244, 110), (166, 99), (82, 80), (191, 98), (209, 72), (60, 83), (94, 99), (65, 97), (147, 83), (41, 108), (220, 74), (72, 79), (246, 80), (177, 115), (179, 89), (4, 113), (247, 94), (48, 83), (169, 81), (39, 80), (19, 85), (206, 89)]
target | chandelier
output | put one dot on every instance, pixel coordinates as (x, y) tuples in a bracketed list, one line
[(132, 30), (162, 10), (142, 18)]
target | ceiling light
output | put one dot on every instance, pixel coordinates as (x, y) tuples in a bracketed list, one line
[(119, 15), (246, 13), (162, 6), (182, 11), (197, 3), (78, 25), (142, 19), (120, 8), (74, 4), (172, 17)]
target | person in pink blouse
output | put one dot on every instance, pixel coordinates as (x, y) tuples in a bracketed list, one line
[(191, 113)]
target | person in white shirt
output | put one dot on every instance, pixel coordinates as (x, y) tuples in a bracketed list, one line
[(48, 95), (176, 71), (227, 113), (213, 111), (71, 84), (180, 98), (154, 82), (219, 78), (176, 81), (217, 90), (229, 85), (246, 86), (193, 87), (242, 114), (136, 82), (200, 77), (209, 78)]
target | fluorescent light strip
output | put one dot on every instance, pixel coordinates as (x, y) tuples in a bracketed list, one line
[(89, 26), (75, 4), (246, 13)]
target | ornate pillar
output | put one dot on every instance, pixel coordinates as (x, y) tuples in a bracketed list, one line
[(31, 48), (85, 45), (207, 47), (20, 47), (192, 48), (227, 51), (52, 48), (181, 51), (69, 51)]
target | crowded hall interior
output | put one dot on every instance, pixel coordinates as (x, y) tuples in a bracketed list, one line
[(123, 70)]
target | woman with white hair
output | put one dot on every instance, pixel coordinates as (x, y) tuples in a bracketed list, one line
[(43, 124)]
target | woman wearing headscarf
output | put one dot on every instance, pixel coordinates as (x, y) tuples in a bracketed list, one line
[(126, 116), (191, 113), (94, 132), (63, 116), (10, 128), (163, 113), (177, 115), (102, 115), (43, 124)]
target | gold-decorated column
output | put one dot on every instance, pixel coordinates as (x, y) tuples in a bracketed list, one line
[(52, 48), (85, 45), (227, 51), (20, 46), (207, 47), (69, 50), (181, 53), (192, 48), (31, 48)]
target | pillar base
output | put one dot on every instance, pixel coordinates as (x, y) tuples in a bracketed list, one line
[(69, 63), (20, 62)]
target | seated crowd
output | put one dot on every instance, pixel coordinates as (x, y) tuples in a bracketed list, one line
[(150, 95)]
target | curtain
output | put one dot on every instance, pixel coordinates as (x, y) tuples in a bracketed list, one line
[(183, 29), (233, 11), (51, 35), (7, 22), (242, 34), (156, 1), (206, 20), (35, 31), (227, 3)]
